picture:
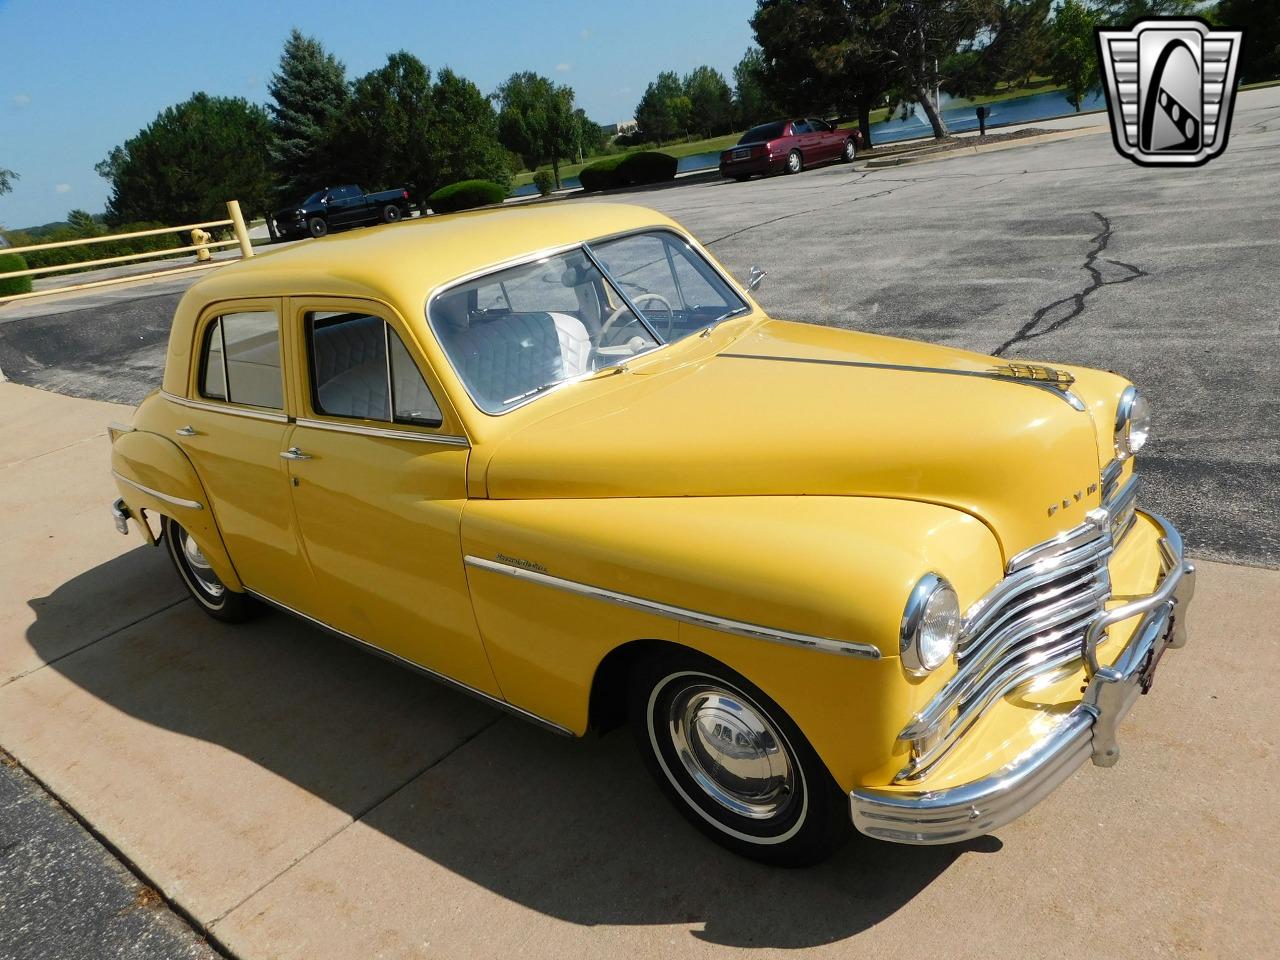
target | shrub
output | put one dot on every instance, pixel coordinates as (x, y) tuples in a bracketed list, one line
[(11, 285), (544, 181), (465, 195), (627, 170)]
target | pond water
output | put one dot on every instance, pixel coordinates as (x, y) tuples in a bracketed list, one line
[(1037, 106)]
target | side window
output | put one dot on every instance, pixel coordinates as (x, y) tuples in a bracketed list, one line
[(361, 369), (241, 360), (799, 127)]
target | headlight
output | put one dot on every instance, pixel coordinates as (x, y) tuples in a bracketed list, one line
[(1133, 423), (930, 625)]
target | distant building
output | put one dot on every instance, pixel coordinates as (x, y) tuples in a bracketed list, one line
[(621, 127)]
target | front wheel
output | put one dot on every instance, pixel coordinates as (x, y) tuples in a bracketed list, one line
[(202, 583), (850, 151), (318, 226), (391, 213), (734, 763), (794, 163)]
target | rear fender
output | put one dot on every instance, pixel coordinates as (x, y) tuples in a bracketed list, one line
[(153, 474)]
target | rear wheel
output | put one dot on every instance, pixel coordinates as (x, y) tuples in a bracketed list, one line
[(202, 583), (318, 226), (733, 762), (391, 213), (794, 163)]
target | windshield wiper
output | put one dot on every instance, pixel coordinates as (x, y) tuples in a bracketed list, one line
[(706, 331)]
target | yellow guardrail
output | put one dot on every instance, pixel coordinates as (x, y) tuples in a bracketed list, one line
[(201, 245)]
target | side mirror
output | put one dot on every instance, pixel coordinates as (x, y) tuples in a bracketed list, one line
[(757, 275)]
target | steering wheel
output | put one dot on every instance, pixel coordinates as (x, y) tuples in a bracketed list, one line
[(607, 326)]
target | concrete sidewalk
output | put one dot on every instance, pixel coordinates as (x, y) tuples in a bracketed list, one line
[(301, 799)]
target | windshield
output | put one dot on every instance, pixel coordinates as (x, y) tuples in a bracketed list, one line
[(314, 198), (516, 333), (763, 133)]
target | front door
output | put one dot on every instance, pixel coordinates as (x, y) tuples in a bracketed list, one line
[(234, 423), (378, 477)]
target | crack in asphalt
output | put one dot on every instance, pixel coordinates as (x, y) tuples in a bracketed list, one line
[(1032, 329), (803, 213)]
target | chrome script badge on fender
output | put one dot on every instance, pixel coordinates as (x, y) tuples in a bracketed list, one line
[(1170, 86)]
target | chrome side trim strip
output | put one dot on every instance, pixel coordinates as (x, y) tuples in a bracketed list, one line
[(167, 498), (1065, 395), (225, 408), (390, 434), (115, 426), (417, 667), (724, 625)]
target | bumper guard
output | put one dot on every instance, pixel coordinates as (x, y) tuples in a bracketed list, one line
[(1089, 731)]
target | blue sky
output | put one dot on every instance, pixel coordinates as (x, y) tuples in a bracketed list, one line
[(79, 77)]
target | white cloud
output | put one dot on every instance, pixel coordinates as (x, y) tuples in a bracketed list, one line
[(21, 99), (62, 188), (563, 67), (585, 34)]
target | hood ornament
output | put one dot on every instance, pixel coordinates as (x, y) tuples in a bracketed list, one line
[(1036, 373)]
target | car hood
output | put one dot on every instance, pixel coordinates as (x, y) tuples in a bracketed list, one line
[(795, 409)]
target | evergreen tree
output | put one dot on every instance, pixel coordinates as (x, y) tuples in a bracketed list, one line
[(189, 161), (464, 136), (1260, 55), (309, 95), (751, 102), (710, 101)]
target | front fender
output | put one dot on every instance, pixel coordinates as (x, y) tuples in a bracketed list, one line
[(831, 567), (152, 473)]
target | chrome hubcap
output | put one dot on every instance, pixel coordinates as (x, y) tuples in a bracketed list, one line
[(731, 751), (794, 162), (199, 566)]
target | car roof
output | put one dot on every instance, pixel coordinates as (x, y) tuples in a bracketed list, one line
[(403, 262)]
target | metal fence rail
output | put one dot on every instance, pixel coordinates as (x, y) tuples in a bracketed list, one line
[(201, 246)]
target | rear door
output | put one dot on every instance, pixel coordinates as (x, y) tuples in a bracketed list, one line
[(234, 424), (825, 139), (378, 477)]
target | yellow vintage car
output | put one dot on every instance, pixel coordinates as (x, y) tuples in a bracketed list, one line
[(558, 458)]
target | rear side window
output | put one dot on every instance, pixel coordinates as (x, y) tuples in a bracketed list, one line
[(241, 360), (361, 370)]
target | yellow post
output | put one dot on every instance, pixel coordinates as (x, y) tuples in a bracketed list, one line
[(200, 239), (237, 223)]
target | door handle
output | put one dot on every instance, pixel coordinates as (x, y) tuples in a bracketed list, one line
[(293, 453), (187, 431)]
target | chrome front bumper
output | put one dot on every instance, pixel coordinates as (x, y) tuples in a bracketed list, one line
[(1089, 731)]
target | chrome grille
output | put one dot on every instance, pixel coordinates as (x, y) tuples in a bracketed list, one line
[(1028, 629)]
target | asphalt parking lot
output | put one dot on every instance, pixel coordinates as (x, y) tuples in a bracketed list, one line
[(294, 797)]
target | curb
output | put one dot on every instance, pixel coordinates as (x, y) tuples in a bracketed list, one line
[(941, 154)]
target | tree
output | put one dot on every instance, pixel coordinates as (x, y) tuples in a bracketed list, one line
[(1260, 56), (84, 223), (6, 181), (664, 110), (823, 55), (536, 120), (751, 102), (382, 137), (710, 101), (1075, 57), (309, 95), (464, 135), (189, 161)]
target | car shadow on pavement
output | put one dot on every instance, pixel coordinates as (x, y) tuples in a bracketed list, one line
[(573, 829)]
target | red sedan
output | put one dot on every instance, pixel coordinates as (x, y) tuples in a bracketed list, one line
[(788, 146)]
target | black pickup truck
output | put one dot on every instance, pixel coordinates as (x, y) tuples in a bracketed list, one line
[(336, 208)]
